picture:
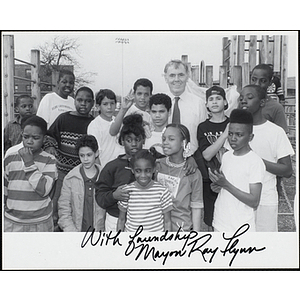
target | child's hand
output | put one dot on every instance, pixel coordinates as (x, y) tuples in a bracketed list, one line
[(147, 129), (215, 188), (128, 100), (217, 177), (26, 154), (51, 150), (121, 194), (190, 166)]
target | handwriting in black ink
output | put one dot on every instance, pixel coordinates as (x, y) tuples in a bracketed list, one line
[(233, 241), (205, 251), (102, 237)]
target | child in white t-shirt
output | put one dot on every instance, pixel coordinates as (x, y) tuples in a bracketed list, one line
[(160, 105), (271, 143), (53, 104), (240, 177), (109, 148), (135, 103)]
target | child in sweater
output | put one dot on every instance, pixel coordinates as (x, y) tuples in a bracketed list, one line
[(63, 135), (29, 176), (150, 203)]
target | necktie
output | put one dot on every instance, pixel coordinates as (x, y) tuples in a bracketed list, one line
[(176, 112)]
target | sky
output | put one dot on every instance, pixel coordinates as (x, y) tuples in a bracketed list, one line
[(118, 66)]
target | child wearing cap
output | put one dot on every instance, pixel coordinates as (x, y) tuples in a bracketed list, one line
[(240, 177), (211, 135)]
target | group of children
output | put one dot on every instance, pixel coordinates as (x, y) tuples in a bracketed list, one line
[(69, 171)]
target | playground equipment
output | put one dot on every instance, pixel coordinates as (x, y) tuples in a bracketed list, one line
[(9, 77), (239, 57)]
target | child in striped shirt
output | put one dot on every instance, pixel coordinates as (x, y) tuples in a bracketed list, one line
[(29, 176), (149, 203)]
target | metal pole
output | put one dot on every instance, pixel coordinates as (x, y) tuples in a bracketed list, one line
[(8, 78), (122, 92), (122, 41)]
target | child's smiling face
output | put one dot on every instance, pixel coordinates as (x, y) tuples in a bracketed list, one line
[(141, 97), (172, 141), (143, 171), (65, 86)]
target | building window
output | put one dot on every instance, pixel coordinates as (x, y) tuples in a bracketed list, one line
[(28, 72), (16, 87), (28, 88)]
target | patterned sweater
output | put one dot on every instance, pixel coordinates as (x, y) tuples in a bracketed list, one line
[(63, 135), (27, 188)]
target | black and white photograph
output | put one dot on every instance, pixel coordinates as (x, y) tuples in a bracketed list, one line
[(150, 150)]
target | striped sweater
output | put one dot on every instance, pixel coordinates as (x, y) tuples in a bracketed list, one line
[(146, 207), (27, 188)]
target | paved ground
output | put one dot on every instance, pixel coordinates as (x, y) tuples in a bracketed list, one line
[(286, 220)]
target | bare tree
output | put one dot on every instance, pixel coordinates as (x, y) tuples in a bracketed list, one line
[(62, 51)]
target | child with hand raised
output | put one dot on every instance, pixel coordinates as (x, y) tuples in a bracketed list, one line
[(109, 148), (136, 102), (211, 136)]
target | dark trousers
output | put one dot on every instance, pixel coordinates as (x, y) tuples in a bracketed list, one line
[(209, 199)]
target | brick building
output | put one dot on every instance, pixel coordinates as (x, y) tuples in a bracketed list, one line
[(24, 87)]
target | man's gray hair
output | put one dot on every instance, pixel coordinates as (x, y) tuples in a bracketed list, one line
[(176, 63)]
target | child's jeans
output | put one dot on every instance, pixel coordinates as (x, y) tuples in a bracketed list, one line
[(45, 226), (58, 186)]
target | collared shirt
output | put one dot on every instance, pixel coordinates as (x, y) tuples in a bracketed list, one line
[(88, 206), (12, 133), (192, 113)]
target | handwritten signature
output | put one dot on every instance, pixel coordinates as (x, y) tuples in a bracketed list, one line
[(192, 242)]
